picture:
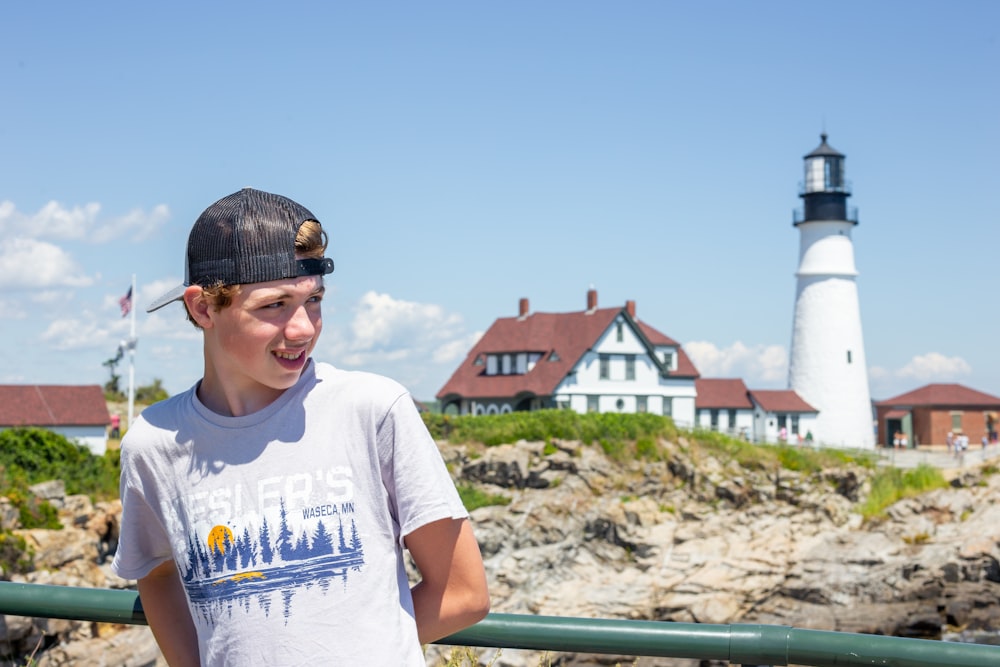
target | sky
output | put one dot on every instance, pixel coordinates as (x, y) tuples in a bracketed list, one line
[(465, 155)]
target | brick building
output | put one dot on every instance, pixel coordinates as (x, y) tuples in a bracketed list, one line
[(927, 414)]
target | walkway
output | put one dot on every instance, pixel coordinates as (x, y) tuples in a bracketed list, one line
[(939, 457)]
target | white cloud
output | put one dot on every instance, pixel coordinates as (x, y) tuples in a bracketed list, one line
[(13, 310), (386, 326), (417, 344), (758, 365), (934, 366), (136, 224), (77, 334), (54, 222), (38, 265), (454, 350)]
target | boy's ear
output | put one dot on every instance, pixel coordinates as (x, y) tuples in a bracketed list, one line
[(198, 306)]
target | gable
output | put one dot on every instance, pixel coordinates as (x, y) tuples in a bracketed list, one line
[(52, 405)]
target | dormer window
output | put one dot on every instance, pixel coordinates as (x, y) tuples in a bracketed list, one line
[(668, 360), (509, 363)]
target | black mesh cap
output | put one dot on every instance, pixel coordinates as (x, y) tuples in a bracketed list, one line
[(247, 237)]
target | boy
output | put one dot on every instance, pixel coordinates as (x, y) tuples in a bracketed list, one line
[(266, 508)]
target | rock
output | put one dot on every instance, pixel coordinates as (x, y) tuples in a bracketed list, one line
[(53, 491), (694, 538)]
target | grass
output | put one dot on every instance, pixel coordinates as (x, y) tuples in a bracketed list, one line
[(890, 485)]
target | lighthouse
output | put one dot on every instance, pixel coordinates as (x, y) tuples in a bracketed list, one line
[(827, 362)]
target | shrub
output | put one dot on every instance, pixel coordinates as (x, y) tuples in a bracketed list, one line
[(32, 455), (16, 557), (540, 425), (892, 484), (473, 497)]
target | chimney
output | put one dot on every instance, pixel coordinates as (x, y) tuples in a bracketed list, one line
[(630, 308), (522, 307), (591, 299)]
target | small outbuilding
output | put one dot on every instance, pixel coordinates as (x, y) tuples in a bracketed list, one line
[(77, 412), (926, 415)]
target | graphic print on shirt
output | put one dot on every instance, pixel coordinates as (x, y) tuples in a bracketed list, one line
[(229, 569)]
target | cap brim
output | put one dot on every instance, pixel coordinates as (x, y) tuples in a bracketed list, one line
[(176, 294)]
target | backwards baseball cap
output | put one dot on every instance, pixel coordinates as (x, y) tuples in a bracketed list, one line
[(247, 237)]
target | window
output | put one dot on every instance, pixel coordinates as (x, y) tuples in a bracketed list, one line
[(795, 424), (715, 419), (592, 405), (956, 421), (732, 419), (668, 360), (620, 404), (522, 363), (505, 365), (629, 366), (605, 366), (619, 332), (848, 356), (668, 406), (554, 356), (491, 364), (640, 404), (479, 361)]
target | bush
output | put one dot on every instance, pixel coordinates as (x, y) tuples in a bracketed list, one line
[(32, 455), (540, 425), (16, 557), (474, 497)]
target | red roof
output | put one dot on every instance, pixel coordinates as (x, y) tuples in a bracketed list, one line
[(943, 395), (52, 405), (721, 393), (568, 335), (781, 400)]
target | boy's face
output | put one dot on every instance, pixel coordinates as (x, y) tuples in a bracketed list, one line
[(258, 345)]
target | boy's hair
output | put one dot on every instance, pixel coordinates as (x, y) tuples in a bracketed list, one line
[(249, 237), (310, 243)]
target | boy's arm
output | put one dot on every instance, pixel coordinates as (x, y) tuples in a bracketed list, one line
[(166, 609), (452, 592)]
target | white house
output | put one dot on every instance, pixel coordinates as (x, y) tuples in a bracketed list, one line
[(77, 412), (594, 360), (781, 415), (724, 405)]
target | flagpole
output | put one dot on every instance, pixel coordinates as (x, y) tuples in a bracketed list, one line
[(131, 359)]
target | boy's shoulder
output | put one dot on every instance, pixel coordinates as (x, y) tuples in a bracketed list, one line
[(357, 380)]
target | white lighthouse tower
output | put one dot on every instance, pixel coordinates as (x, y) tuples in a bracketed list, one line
[(827, 364)]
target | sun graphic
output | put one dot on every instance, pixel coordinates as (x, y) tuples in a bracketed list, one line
[(219, 537)]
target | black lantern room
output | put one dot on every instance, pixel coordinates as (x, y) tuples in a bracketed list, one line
[(825, 191)]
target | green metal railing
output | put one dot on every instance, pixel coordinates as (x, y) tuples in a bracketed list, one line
[(745, 644)]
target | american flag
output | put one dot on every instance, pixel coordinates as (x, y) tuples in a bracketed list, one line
[(126, 302)]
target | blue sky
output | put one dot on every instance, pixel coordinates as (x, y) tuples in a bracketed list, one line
[(464, 155)]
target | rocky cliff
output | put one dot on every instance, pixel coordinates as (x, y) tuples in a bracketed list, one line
[(690, 538)]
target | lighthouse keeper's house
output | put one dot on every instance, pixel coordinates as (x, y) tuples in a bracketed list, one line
[(594, 360)]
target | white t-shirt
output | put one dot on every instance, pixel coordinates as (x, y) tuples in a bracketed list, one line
[(286, 524)]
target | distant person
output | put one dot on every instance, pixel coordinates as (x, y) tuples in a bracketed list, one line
[(783, 434), (116, 426), (809, 437), (266, 509)]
